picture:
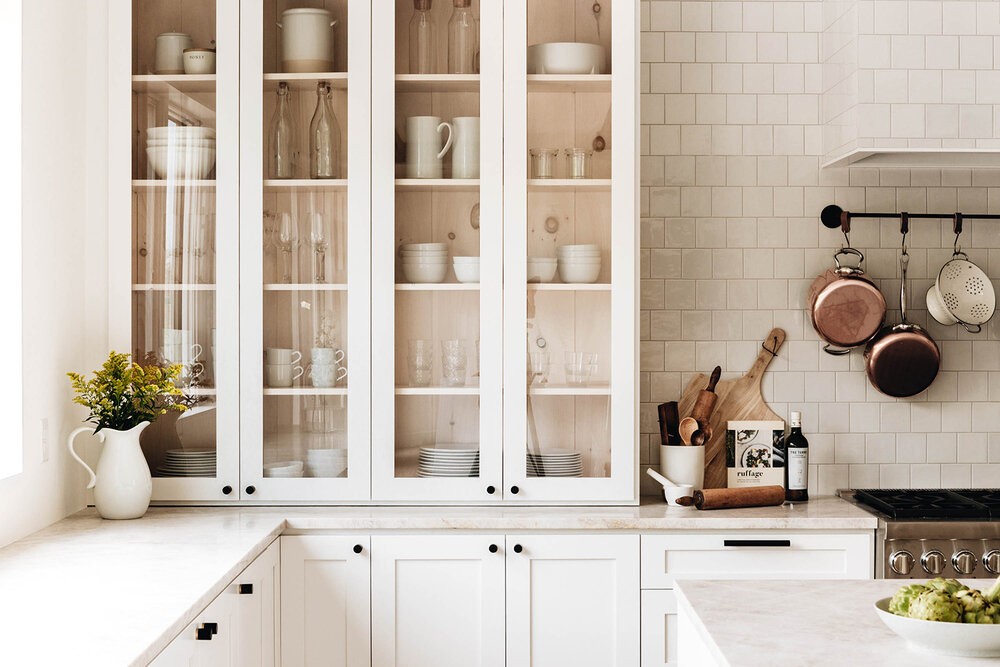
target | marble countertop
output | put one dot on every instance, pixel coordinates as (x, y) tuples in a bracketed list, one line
[(806, 623), (85, 591)]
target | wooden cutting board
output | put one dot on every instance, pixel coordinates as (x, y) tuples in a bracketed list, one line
[(739, 399)]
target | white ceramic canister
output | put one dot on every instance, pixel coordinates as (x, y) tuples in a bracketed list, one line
[(307, 40), (465, 151), (199, 61), (169, 57), (423, 146)]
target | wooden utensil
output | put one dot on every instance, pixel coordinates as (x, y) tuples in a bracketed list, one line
[(669, 423), (739, 399), (687, 428), (707, 398), (718, 499)]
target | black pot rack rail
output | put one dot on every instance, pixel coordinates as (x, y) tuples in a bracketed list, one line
[(835, 217)]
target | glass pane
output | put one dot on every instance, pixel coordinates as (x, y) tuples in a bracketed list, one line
[(436, 240), (305, 357), (173, 223)]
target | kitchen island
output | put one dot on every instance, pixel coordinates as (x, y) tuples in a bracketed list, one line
[(804, 623)]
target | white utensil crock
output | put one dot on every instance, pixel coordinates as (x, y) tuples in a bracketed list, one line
[(683, 464), (306, 40), (122, 484), (424, 152), (465, 151)]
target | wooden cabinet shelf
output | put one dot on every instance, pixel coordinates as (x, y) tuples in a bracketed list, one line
[(437, 83), (305, 81)]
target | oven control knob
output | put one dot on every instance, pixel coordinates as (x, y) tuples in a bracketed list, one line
[(991, 561), (933, 562), (901, 562), (964, 561)]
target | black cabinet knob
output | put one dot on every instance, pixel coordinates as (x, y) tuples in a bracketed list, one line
[(358, 548), (491, 489), (246, 589), (514, 490), (494, 548), (205, 632), (251, 489), (518, 548), (226, 490)]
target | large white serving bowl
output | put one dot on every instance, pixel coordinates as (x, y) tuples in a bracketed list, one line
[(541, 269), (467, 272), (566, 58), (579, 247), (963, 639), (424, 246), (180, 132), (579, 273), (425, 273), (176, 162)]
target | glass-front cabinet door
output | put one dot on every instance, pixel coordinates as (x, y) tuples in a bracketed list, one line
[(570, 212), (173, 254), (305, 238), (437, 141)]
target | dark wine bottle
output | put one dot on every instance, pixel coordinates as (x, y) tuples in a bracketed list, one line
[(796, 462)]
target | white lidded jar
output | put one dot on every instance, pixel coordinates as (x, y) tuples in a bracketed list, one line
[(307, 40)]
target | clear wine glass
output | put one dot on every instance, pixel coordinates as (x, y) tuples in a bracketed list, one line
[(320, 243), (288, 243)]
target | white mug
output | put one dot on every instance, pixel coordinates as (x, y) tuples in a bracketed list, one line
[(282, 356), (282, 375), (179, 353), (169, 58), (327, 375), (465, 151), (326, 355), (423, 146)]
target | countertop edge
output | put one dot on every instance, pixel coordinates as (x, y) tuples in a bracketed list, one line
[(707, 640)]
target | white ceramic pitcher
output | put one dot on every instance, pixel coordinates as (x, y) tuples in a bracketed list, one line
[(424, 153), (122, 484), (465, 152)]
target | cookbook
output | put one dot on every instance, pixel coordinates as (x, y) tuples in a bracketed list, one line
[(755, 453)]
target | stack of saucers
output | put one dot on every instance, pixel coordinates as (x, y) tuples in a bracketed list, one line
[(188, 463), (325, 462), (555, 463), (284, 469), (579, 263), (449, 460), (181, 151), (424, 262)]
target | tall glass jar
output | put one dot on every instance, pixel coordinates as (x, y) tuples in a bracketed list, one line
[(462, 39), (324, 137), (423, 39), (282, 153)]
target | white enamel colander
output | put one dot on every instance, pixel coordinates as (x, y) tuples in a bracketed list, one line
[(962, 294)]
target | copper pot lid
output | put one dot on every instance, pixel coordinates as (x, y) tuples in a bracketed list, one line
[(902, 361), (848, 311)]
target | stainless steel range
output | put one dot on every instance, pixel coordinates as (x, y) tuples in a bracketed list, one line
[(933, 532)]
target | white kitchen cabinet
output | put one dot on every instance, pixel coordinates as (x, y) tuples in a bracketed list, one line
[(573, 600), (437, 600), (238, 628), (325, 600), (658, 610)]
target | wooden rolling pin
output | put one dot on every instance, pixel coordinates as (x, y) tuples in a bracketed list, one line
[(705, 403), (721, 499)]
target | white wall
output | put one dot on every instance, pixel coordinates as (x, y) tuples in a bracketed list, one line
[(64, 164)]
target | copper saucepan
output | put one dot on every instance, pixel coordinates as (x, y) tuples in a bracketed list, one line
[(847, 308), (902, 360)]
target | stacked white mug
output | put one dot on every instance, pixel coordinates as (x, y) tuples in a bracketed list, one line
[(327, 368), (282, 366)]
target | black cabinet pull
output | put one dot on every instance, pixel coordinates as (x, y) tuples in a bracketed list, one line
[(226, 490), (251, 489), (358, 548), (756, 543), (518, 548), (246, 589), (514, 490), (494, 548), (491, 489)]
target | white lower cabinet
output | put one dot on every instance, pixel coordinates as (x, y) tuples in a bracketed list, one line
[(667, 557), (238, 628), (325, 600)]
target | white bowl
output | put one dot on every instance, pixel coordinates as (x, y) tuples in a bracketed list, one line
[(963, 639), (541, 272), (173, 162), (467, 272), (577, 273), (283, 467), (672, 493), (566, 58), (466, 260), (186, 131), (577, 247), (423, 255), (425, 262), (424, 273), (424, 246)]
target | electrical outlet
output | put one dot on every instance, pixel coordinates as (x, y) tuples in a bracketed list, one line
[(45, 439)]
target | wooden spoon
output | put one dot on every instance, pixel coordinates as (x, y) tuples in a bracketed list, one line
[(687, 428)]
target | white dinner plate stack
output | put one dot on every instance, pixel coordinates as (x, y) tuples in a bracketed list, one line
[(424, 262), (326, 462), (449, 460), (555, 463), (188, 463), (284, 469)]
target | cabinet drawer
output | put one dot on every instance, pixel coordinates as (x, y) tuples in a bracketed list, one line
[(760, 555)]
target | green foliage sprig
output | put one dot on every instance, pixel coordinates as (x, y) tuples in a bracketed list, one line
[(123, 394)]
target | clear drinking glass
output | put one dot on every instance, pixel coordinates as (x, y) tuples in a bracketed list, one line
[(423, 39), (324, 136), (288, 244), (540, 367), (574, 364), (283, 153), (579, 162), (543, 162), (454, 363), (319, 242), (590, 365), (420, 362), (462, 38)]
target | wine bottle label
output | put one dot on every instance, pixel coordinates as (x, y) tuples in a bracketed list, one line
[(798, 468)]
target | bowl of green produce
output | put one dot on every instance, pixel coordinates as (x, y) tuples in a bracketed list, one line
[(945, 616)]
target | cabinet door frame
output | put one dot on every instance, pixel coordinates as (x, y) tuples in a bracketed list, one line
[(658, 635), (388, 550), (356, 487), (622, 549), (622, 487), (385, 485), (227, 190)]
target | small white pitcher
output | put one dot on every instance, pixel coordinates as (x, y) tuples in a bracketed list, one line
[(122, 484), (424, 153)]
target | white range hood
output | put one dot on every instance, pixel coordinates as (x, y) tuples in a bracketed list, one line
[(911, 84)]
